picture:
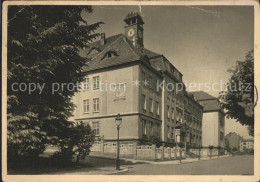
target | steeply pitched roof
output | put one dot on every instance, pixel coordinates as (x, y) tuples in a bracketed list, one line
[(126, 52), (149, 53), (120, 44), (191, 97), (210, 105), (201, 95), (208, 102)]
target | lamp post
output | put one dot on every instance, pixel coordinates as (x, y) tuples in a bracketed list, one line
[(118, 121), (199, 151)]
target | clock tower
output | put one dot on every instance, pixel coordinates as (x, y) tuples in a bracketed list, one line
[(134, 29)]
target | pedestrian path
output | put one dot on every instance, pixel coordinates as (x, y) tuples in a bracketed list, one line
[(99, 165), (110, 170), (177, 162)]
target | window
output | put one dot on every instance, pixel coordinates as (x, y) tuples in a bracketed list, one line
[(158, 129), (168, 132), (86, 106), (86, 84), (172, 137), (95, 127), (176, 74), (157, 108), (168, 111), (96, 82), (151, 82), (144, 102), (110, 54), (157, 87), (144, 128), (152, 131), (96, 105), (172, 113), (151, 105), (143, 77)]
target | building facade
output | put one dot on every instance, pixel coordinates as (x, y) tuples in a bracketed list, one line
[(193, 113), (213, 121), (246, 145), (124, 77)]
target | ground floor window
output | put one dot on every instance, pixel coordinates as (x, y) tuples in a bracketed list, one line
[(144, 127), (95, 127)]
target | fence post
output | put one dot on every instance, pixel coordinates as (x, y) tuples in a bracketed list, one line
[(180, 154), (162, 147), (134, 150), (102, 147), (175, 152), (169, 152), (153, 152)]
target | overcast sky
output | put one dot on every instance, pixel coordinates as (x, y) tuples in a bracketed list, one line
[(201, 41)]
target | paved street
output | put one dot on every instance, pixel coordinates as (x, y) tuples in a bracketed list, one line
[(237, 165)]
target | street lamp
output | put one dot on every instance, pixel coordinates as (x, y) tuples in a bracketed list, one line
[(199, 151), (118, 121)]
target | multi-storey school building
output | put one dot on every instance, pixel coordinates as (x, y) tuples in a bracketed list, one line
[(122, 76)]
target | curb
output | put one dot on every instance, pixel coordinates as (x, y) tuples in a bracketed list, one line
[(122, 170), (173, 162), (184, 162)]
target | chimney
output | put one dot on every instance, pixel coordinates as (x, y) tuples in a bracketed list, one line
[(103, 39)]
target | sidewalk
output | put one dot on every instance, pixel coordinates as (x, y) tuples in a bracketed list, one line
[(176, 162), (184, 161), (97, 171)]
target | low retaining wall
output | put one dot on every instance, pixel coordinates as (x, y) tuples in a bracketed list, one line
[(205, 152), (141, 152)]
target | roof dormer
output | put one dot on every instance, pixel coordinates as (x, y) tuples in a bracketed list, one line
[(110, 54)]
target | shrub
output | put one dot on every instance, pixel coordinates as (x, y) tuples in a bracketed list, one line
[(24, 138), (77, 142), (234, 149), (211, 147), (156, 141), (172, 144), (181, 144)]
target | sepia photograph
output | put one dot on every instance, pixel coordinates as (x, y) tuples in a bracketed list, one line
[(139, 91)]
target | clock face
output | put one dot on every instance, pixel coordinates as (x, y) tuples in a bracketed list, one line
[(140, 34), (131, 32)]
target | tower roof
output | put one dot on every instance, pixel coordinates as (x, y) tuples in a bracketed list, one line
[(134, 14)]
